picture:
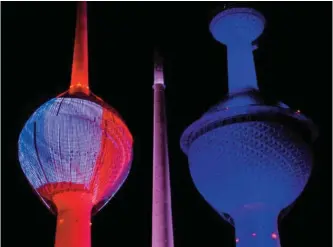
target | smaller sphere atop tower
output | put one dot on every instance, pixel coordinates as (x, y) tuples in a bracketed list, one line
[(236, 25)]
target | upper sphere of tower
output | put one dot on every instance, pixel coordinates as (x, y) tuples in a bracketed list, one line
[(236, 25)]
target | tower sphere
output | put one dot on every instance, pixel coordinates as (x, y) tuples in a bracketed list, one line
[(75, 143), (249, 154), (237, 25)]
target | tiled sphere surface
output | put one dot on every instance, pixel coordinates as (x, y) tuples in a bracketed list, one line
[(250, 162), (73, 143)]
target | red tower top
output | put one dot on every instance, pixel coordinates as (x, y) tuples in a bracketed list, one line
[(80, 77)]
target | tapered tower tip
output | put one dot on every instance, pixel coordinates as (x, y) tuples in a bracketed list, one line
[(157, 58), (79, 78), (158, 68)]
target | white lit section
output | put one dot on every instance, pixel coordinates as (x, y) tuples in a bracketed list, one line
[(158, 75), (158, 69)]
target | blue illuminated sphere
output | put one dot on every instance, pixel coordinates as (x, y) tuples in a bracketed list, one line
[(245, 151), (237, 25), (75, 143)]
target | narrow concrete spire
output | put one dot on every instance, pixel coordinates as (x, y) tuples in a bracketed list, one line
[(80, 78), (162, 230)]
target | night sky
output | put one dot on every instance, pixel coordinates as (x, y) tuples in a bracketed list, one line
[(293, 65)]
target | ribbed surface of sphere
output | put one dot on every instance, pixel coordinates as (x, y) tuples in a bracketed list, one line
[(75, 144), (250, 162)]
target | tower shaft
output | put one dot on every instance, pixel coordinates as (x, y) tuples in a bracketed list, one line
[(241, 67), (73, 219), (256, 228), (162, 231)]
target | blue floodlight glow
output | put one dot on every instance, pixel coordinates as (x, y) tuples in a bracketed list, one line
[(248, 158)]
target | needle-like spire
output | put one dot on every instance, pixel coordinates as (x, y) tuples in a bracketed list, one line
[(158, 68), (79, 78), (162, 230)]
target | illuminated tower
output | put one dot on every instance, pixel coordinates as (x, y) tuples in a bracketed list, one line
[(162, 232), (248, 158), (75, 150)]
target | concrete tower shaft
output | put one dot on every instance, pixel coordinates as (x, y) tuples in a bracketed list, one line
[(162, 231), (73, 223)]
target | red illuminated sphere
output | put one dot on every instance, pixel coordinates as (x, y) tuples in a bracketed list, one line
[(75, 142)]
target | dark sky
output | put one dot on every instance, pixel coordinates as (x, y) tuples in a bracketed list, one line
[(293, 65)]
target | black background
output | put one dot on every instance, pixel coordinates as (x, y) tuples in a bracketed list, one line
[(293, 64)]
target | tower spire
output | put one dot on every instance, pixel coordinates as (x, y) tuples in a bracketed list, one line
[(79, 78), (162, 231), (158, 69)]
